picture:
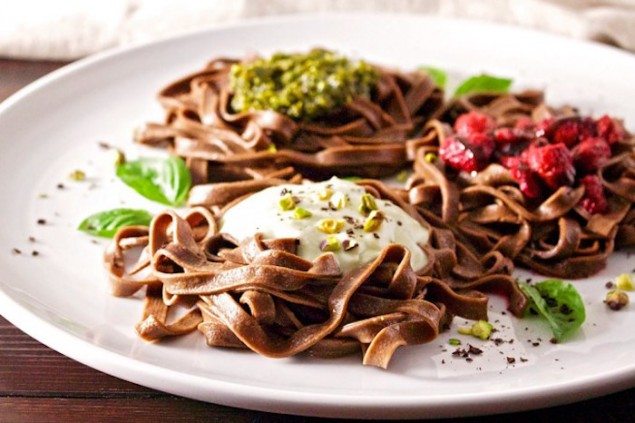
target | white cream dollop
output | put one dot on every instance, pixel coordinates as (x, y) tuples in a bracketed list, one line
[(260, 212)]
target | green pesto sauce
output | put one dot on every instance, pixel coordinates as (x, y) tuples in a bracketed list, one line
[(302, 86)]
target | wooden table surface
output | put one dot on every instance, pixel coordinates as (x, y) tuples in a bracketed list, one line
[(39, 384)]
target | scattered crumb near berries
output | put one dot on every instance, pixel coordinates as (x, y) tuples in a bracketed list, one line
[(609, 285), (16, 251), (61, 186), (510, 360), (35, 253), (523, 359), (31, 239), (104, 145), (41, 221)]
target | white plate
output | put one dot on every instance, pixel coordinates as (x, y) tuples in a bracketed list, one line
[(61, 297)]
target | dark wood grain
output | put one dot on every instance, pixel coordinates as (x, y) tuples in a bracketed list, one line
[(40, 385)]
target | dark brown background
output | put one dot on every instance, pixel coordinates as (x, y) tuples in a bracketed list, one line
[(39, 384)]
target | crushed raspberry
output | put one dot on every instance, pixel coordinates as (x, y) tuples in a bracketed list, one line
[(591, 154), (526, 178), (504, 135), (594, 200), (473, 122), (553, 163), (468, 154), (543, 126), (569, 131), (609, 129)]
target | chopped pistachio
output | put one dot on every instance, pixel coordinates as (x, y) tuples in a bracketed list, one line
[(430, 157), (616, 299), (331, 243), (349, 243), (625, 282), (120, 157), (271, 148), (77, 175), (481, 329), (465, 330), (338, 200), (373, 221), (367, 205), (303, 85), (403, 176), (454, 342), (325, 193), (300, 213), (330, 226), (286, 202)]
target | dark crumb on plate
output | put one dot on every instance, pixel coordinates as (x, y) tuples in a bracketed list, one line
[(31, 239), (104, 145), (443, 361), (504, 313), (469, 359), (16, 251), (61, 186), (41, 221), (535, 344), (523, 360), (473, 350), (35, 253), (553, 340), (511, 360)]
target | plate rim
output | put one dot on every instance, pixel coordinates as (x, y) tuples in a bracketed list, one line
[(261, 398)]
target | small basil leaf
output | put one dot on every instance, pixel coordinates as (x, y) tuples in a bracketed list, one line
[(438, 76), (483, 83), (107, 223), (165, 181), (559, 303)]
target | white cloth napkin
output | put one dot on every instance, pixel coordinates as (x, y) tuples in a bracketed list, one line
[(68, 29)]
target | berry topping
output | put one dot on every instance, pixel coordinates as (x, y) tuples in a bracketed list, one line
[(571, 130), (526, 178), (591, 154), (467, 153), (504, 135), (609, 129), (594, 200), (553, 163), (473, 122)]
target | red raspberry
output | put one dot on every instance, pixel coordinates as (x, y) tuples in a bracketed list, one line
[(527, 180), (609, 129), (594, 200), (473, 122), (467, 153), (504, 135), (591, 154), (543, 126), (571, 130), (553, 163)]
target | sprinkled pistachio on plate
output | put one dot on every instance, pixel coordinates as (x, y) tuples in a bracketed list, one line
[(367, 204), (330, 226), (373, 221), (286, 202)]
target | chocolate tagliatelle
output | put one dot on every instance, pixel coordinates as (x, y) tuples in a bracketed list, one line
[(366, 137), (554, 236), (259, 294)]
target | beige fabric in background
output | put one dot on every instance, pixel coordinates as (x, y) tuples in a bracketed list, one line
[(68, 29)]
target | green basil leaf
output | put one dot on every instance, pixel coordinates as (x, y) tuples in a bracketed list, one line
[(483, 83), (107, 223), (439, 76), (559, 303), (166, 181)]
